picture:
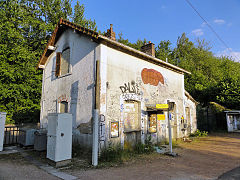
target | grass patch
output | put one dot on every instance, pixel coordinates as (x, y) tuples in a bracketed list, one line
[(116, 154), (175, 143)]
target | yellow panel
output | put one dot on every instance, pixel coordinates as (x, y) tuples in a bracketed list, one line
[(161, 116), (162, 106)]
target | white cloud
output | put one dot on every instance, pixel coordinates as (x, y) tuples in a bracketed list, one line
[(235, 55), (219, 21), (197, 32), (203, 24)]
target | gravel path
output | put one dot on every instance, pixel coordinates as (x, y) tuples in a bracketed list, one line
[(15, 167), (208, 158)]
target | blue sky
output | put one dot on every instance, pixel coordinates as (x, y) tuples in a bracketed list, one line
[(158, 20)]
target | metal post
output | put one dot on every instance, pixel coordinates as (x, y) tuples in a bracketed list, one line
[(95, 139), (169, 131)]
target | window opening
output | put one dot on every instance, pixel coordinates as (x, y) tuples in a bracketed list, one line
[(63, 62), (64, 107)]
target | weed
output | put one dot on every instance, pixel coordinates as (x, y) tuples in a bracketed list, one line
[(118, 154), (114, 153), (166, 142), (199, 133)]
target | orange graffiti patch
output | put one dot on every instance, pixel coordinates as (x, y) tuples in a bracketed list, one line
[(151, 76)]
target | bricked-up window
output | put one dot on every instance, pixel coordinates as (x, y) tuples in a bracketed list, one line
[(131, 116), (62, 62)]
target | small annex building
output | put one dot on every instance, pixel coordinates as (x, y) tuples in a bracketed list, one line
[(233, 120), (83, 71)]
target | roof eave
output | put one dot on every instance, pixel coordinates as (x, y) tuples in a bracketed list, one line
[(103, 39), (53, 39)]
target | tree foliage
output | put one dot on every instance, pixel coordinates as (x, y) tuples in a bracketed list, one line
[(26, 25), (25, 28), (212, 78)]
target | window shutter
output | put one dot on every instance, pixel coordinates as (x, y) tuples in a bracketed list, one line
[(58, 63)]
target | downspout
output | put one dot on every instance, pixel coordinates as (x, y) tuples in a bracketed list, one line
[(95, 111)]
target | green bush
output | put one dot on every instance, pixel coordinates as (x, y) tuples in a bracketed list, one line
[(199, 133)]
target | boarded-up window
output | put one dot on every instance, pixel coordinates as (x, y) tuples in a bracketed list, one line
[(58, 62), (65, 61), (62, 62), (64, 107), (131, 116)]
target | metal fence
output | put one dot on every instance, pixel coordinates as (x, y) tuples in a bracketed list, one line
[(11, 134)]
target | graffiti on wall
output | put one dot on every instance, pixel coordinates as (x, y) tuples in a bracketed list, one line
[(113, 112), (132, 87), (131, 96), (152, 77), (114, 129)]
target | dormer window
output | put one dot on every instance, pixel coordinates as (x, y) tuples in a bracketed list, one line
[(63, 62)]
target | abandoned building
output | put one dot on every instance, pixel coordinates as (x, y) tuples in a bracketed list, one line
[(83, 71)]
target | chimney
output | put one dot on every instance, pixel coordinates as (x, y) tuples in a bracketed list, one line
[(148, 49), (110, 34)]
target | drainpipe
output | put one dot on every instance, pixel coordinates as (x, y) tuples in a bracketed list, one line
[(169, 129), (95, 115)]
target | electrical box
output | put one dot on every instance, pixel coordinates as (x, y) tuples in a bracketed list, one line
[(40, 140), (26, 136), (2, 127), (59, 137)]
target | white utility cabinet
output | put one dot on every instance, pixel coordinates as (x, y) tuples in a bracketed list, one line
[(59, 137), (2, 127)]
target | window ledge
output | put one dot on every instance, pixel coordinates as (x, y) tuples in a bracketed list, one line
[(61, 76)]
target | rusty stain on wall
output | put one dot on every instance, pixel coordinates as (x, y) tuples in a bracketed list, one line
[(151, 76)]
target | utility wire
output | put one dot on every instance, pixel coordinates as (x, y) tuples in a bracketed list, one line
[(211, 28)]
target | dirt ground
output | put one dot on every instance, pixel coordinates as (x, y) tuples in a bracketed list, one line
[(15, 167), (206, 158)]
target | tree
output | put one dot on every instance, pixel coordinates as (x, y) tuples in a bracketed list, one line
[(163, 51), (25, 28), (136, 45), (80, 19)]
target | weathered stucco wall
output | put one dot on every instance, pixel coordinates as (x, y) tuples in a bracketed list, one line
[(77, 87), (191, 115), (122, 81)]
